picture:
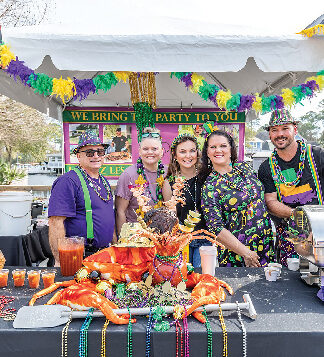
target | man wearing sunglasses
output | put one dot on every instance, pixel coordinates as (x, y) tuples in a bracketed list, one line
[(81, 202)]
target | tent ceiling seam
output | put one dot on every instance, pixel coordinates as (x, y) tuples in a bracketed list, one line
[(217, 81)]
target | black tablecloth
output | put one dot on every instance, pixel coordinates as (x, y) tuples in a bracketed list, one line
[(27, 249), (290, 322)]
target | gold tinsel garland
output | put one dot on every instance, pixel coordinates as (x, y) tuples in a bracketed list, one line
[(142, 88)]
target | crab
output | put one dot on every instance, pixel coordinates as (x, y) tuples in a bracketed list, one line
[(163, 262), (129, 264)]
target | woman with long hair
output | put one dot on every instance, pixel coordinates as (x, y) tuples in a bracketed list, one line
[(184, 160), (148, 169), (233, 205)]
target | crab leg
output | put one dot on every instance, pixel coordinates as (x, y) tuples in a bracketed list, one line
[(208, 236), (50, 289), (83, 299), (207, 290)]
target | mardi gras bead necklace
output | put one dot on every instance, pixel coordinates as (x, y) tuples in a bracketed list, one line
[(9, 313), (222, 322), (159, 181), (186, 333), (243, 329), (95, 186), (301, 165), (103, 339), (179, 328), (194, 198), (129, 335), (64, 344), (209, 335), (83, 344), (173, 261), (148, 335)]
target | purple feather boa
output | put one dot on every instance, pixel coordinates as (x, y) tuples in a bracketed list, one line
[(18, 69), (246, 103), (187, 80), (83, 88)]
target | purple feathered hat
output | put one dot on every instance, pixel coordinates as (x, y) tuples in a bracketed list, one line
[(89, 137)]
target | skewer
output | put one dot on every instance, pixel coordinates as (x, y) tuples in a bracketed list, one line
[(246, 305)]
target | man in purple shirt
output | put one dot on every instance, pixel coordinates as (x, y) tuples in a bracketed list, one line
[(76, 190)]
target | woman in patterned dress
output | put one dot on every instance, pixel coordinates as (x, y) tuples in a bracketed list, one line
[(233, 205)]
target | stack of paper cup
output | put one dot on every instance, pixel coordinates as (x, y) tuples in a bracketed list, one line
[(208, 255), (272, 273), (275, 265)]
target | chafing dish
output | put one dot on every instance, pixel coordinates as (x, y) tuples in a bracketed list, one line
[(308, 239)]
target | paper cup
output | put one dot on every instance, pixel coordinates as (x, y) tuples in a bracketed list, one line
[(271, 274), (275, 265), (293, 263), (208, 255)]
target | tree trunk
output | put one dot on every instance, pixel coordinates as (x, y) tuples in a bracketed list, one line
[(9, 153)]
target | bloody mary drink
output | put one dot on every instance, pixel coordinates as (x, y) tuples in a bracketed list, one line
[(4, 277), (33, 278), (71, 254), (48, 277), (18, 276)]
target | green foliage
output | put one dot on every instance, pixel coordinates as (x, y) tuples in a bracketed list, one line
[(25, 132), (249, 135), (9, 173), (311, 125)]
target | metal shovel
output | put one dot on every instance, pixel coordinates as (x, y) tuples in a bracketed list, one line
[(55, 315)]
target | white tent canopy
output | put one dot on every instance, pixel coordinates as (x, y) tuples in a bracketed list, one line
[(233, 57)]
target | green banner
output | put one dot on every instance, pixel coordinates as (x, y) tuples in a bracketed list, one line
[(97, 116), (106, 169)]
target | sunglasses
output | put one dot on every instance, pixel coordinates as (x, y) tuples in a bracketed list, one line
[(91, 152), (152, 135)]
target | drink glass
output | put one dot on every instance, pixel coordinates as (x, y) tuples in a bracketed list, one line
[(33, 278), (18, 276), (48, 277), (208, 255), (71, 254), (4, 277)]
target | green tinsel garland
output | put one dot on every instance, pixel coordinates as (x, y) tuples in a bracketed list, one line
[(143, 117)]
